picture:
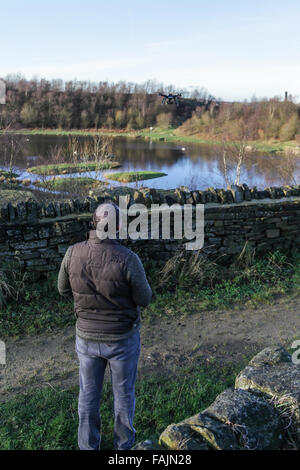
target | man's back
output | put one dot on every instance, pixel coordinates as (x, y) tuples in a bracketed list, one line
[(108, 284)]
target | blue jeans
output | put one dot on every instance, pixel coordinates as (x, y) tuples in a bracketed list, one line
[(122, 357)]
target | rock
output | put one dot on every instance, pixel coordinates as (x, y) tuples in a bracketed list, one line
[(31, 209), (144, 445), (4, 213), (171, 199), (201, 195), (256, 423), (11, 212), (217, 434), (196, 198), (237, 193), (30, 245), (273, 233), (247, 194), (271, 356), (57, 209), (262, 194), (253, 193), (155, 195), (30, 234), (138, 197), (296, 190), (208, 197), (180, 196), (49, 210), (112, 193), (36, 262), (70, 227), (214, 195), (182, 437), (21, 210), (222, 195), (273, 374), (147, 197), (275, 192), (229, 196), (92, 203)]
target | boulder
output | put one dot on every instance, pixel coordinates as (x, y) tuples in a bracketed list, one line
[(144, 445), (180, 196), (182, 437), (214, 194), (247, 194), (218, 435), (256, 422), (138, 197), (222, 196), (237, 193), (272, 374)]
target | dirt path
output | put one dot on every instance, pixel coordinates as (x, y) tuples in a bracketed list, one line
[(207, 337)]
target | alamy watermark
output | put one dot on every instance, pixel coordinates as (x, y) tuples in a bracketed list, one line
[(296, 354), (2, 353), (2, 92), (188, 223)]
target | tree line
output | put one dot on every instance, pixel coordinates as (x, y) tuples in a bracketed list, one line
[(258, 120), (83, 105), (54, 104)]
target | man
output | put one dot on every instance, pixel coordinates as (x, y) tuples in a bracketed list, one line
[(108, 284)]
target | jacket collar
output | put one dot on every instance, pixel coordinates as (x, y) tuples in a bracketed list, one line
[(92, 237)]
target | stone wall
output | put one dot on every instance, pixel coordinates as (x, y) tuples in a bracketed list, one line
[(262, 411), (38, 233)]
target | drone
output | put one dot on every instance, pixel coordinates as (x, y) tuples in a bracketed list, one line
[(170, 98)]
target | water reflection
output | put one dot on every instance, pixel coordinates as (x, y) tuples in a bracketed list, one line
[(196, 166)]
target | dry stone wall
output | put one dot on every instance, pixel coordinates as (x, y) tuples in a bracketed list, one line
[(38, 233), (261, 412)]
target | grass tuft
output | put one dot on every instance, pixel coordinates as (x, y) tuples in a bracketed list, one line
[(132, 176)]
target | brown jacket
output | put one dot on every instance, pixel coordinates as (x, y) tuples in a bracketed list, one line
[(102, 296)]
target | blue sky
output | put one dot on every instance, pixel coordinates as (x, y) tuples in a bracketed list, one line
[(233, 48)]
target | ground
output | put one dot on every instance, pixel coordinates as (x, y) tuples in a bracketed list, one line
[(219, 338)]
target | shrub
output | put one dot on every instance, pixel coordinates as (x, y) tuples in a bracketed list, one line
[(185, 269), (12, 281), (164, 120), (290, 128)]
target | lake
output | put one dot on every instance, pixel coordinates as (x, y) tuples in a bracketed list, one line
[(193, 165)]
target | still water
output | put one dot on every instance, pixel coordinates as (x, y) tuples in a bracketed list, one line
[(195, 166)]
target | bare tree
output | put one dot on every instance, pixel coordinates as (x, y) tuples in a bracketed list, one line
[(233, 158)]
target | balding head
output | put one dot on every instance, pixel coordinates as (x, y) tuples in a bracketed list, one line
[(107, 214)]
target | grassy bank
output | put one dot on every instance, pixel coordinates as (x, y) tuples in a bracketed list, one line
[(131, 176), (61, 168), (160, 134), (47, 418), (35, 306), (61, 184)]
